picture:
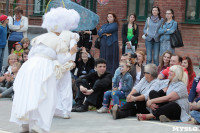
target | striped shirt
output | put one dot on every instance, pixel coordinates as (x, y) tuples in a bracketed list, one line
[(144, 87)]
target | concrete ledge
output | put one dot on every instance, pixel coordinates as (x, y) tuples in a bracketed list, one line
[(32, 29)]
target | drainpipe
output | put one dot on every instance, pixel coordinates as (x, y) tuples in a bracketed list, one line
[(7, 6)]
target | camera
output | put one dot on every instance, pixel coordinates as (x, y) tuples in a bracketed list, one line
[(84, 72), (79, 49)]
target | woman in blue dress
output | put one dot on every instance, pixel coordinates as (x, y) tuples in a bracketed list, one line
[(169, 26), (109, 49)]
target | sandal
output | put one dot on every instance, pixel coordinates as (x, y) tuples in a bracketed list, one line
[(193, 121), (141, 117)]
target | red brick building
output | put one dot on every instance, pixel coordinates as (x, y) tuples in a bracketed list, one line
[(187, 13)]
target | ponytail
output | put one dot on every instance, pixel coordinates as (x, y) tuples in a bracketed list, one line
[(185, 78)]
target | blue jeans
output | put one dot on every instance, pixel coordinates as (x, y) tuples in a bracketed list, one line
[(116, 95), (152, 46), (193, 93), (195, 115), (1, 57)]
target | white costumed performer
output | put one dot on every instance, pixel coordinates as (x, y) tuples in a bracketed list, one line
[(64, 84), (36, 84)]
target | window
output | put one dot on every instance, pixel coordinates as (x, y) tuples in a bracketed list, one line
[(39, 7), (192, 11), (142, 8), (89, 4)]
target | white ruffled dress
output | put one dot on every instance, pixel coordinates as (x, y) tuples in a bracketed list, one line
[(37, 90)]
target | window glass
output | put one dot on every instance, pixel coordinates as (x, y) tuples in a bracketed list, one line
[(199, 10), (191, 9), (132, 6), (150, 5), (142, 8)]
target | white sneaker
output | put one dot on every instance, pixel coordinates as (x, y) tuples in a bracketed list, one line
[(66, 116), (103, 110), (36, 129), (24, 128)]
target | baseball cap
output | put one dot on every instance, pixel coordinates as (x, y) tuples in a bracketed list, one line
[(17, 43), (3, 18)]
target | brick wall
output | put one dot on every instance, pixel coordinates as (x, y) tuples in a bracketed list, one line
[(3, 7), (33, 20), (119, 8)]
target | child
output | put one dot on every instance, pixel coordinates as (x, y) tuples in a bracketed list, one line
[(121, 87), (18, 50), (25, 43), (3, 36), (25, 56), (8, 90), (129, 48)]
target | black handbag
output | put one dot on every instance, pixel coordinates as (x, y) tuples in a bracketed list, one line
[(98, 43), (176, 39)]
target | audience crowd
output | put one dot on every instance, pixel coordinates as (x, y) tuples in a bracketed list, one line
[(167, 90)]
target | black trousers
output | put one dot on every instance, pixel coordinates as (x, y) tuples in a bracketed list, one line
[(170, 109), (132, 108), (123, 49), (95, 99)]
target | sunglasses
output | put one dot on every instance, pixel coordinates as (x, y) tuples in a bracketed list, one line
[(146, 73), (121, 66)]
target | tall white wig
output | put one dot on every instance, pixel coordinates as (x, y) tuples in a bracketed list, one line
[(180, 75), (59, 19)]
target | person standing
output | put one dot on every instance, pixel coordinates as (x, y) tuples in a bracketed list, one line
[(151, 28), (168, 27), (3, 36), (130, 33), (18, 26), (36, 84), (86, 38), (109, 49)]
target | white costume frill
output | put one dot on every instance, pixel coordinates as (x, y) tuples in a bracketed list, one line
[(64, 85), (35, 86)]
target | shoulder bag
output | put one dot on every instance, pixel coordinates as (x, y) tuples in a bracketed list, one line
[(97, 43), (144, 36), (176, 39)]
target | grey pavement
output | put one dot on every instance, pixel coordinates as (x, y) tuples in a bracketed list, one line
[(92, 122)]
